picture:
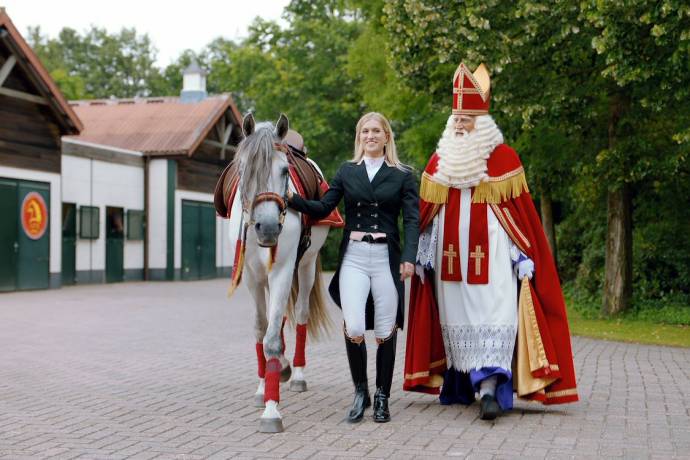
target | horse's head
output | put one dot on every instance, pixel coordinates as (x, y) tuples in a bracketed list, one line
[(263, 171)]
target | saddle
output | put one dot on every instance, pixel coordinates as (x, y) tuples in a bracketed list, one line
[(224, 188), (307, 179)]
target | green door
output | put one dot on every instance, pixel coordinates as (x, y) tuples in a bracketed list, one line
[(198, 240), (114, 245), (33, 262), (9, 246), (69, 243), (190, 240)]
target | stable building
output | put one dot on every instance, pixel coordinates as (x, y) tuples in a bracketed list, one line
[(34, 115), (138, 182), (108, 190)]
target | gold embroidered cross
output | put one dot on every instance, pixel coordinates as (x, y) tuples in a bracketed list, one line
[(477, 255), (450, 254)]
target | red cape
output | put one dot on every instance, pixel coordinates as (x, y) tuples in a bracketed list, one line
[(507, 194)]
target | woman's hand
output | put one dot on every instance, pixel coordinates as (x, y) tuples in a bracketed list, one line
[(406, 270), (289, 194)]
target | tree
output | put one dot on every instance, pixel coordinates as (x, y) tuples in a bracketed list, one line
[(98, 64), (645, 48), (600, 69)]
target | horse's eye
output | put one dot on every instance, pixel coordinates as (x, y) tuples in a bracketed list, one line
[(284, 171)]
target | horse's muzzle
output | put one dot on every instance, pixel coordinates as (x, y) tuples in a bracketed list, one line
[(267, 234)]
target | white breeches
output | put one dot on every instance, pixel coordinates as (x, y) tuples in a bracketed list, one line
[(366, 267)]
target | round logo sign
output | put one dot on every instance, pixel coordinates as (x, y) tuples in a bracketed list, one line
[(34, 215)]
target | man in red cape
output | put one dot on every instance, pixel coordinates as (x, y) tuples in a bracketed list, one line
[(486, 312)]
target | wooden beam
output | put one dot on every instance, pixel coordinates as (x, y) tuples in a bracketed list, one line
[(101, 153), (230, 148), (220, 127), (226, 138), (25, 96), (7, 68)]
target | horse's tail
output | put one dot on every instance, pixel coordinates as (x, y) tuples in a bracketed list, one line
[(319, 319)]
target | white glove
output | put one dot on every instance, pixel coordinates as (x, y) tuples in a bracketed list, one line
[(523, 268)]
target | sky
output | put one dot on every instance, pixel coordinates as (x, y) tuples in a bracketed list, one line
[(173, 26)]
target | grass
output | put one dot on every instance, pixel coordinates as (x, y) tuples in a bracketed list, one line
[(650, 324), (629, 330)]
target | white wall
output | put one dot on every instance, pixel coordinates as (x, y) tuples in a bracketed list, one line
[(158, 212), (223, 256), (89, 182), (55, 222), (225, 243)]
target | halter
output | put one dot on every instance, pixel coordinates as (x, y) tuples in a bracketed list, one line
[(280, 200)]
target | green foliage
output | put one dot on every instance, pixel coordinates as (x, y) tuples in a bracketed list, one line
[(98, 64), (672, 309)]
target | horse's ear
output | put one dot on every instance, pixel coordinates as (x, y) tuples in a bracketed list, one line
[(282, 126), (248, 125)]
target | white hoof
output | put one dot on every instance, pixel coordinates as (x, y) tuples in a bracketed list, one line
[(271, 425), (298, 386), (298, 382), (271, 421)]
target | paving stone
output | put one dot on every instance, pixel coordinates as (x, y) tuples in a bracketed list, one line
[(167, 370)]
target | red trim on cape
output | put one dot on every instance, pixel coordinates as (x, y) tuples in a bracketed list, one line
[(516, 214)]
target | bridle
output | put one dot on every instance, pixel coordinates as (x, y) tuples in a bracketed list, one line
[(280, 200)]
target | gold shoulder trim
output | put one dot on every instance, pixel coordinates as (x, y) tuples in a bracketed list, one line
[(501, 188), (432, 191)]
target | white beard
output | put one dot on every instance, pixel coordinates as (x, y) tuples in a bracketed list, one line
[(462, 162)]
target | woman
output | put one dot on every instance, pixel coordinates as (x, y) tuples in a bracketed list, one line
[(376, 187)]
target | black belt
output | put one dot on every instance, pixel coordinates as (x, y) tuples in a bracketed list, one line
[(368, 238)]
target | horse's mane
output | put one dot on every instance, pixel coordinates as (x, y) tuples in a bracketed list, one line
[(254, 157)]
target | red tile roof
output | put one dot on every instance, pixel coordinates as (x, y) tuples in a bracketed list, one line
[(46, 85), (154, 126)]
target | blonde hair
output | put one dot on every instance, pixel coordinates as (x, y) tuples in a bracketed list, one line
[(389, 151)]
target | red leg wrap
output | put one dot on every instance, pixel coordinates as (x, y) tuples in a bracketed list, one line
[(300, 359), (261, 359), (272, 389)]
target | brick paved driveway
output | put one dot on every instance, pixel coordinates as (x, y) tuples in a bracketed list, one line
[(167, 370)]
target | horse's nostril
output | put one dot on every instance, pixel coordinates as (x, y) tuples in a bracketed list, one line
[(257, 226)]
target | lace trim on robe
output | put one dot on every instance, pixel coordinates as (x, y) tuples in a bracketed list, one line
[(426, 249), (474, 347)]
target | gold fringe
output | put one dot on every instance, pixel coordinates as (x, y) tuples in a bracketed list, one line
[(235, 281), (431, 191), (237, 271), (498, 189)]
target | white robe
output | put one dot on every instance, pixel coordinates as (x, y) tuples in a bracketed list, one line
[(478, 321)]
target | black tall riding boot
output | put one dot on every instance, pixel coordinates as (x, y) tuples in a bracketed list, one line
[(357, 357), (385, 363)]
